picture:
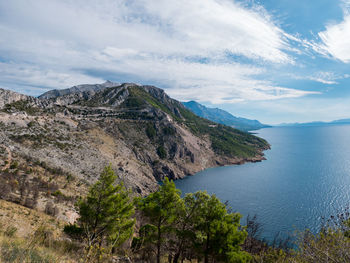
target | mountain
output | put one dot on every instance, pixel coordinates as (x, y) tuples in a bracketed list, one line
[(223, 117), (84, 88), (55, 146), (315, 123), (341, 121)]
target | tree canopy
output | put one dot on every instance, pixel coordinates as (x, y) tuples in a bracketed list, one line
[(106, 213)]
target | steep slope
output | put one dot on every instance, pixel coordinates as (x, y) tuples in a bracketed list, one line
[(143, 133), (223, 117)]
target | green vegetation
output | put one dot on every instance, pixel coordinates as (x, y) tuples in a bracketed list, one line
[(134, 102), (14, 165), (138, 92), (200, 227), (169, 131), (218, 232), (171, 228), (161, 209), (162, 152), (105, 215), (197, 226), (225, 140), (151, 131), (21, 105)]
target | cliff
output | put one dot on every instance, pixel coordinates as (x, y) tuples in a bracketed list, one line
[(140, 130)]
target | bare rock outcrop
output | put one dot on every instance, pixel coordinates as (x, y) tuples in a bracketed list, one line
[(7, 96)]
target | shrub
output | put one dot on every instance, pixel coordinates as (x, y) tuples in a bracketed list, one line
[(57, 193), (150, 131), (161, 152), (14, 165), (168, 131), (73, 230), (10, 231)]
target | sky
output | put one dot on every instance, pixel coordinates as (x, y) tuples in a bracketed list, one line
[(272, 60)]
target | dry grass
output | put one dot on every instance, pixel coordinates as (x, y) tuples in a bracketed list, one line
[(27, 235), (25, 220)]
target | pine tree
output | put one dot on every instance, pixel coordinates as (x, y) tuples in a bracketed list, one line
[(216, 232), (161, 208), (106, 213)]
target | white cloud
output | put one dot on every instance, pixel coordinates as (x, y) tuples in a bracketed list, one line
[(154, 40), (325, 77), (329, 78), (335, 40), (37, 80)]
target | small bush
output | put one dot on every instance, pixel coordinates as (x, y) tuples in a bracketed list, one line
[(161, 152), (134, 102), (30, 124), (57, 193), (168, 131), (14, 165), (150, 131), (69, 178), (73, 230), (10, 231)]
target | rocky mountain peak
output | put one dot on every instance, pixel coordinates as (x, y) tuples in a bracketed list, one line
[(88, 88)]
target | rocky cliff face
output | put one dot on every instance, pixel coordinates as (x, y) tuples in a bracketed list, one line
[(7, 96), (143, 133)]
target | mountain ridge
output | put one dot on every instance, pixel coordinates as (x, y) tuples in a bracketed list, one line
[(140, 130), (88, 88), (223, 117)]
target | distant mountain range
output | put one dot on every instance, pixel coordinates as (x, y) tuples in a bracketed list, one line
[(223, 117), (315, 123)]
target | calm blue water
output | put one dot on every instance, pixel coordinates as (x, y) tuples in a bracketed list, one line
[(306, 177)]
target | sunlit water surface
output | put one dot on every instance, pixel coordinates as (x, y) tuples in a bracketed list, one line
[(306, 177)]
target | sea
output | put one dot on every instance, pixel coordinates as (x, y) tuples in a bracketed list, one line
[(304, 181)]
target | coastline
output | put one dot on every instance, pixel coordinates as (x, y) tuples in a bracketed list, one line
[(230, 162)]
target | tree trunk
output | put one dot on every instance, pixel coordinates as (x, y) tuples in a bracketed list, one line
[(206, 253), (177, 254), (158, 242), (176, 257)]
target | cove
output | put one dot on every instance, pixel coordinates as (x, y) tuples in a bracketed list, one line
[(305, 179)]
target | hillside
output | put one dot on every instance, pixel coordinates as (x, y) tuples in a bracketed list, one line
[(223, 117), (53, 148)]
